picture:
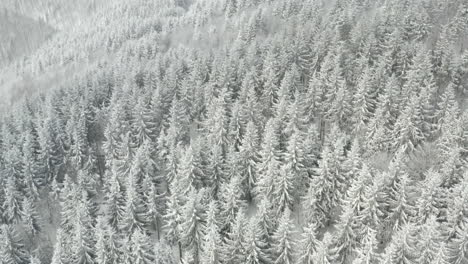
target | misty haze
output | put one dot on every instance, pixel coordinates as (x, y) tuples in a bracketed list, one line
[(233, 131)]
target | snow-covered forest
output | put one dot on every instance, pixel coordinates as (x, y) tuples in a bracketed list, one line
[(234, 132)]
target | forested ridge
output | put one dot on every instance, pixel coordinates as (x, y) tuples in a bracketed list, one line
[(240, 131)]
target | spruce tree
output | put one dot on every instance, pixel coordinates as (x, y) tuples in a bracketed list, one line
[(284, 243), (11, 247), (308, 244), (249, 157), (193, 224), (255, 245), (367, 253), (139, 250), (31, 219), (233, 244), (211, 243)]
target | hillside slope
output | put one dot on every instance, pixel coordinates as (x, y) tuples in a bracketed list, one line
[(240, 131), (20, 35)]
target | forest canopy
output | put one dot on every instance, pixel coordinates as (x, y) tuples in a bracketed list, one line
[(236, 131)]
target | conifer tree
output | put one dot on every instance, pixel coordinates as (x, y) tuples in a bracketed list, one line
[(216, 123), (378, 129), (135, 215), (401, 205), (190, 173), (60, 255), (457, 206), (232, 249), (321, 255), (163, 254), (216, 168), (346, 238), (155, 206), (139, 250), (143, 122), (255, 245), (270, 156), (295, 161), (30, 217), (173, 218), (458, 247), (402, 247), (69, 200), (114, 204), (407, 131), (193, 224), (212, 240), (428, 242), (11, 247), (308, 244), (266, 221), (322, 195), (431, 196), (283, 196), (284, 243), (12, 202), (367, 253), (361, 102), (30, 168), (108, 248), (249, 157), (231, 200), (83, 237)]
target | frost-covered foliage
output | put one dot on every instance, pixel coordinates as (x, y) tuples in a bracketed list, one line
[(254, 131)]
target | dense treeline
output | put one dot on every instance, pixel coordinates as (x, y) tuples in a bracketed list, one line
[(277, 131)]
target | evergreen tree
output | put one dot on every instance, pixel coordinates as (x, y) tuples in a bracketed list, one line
[(30, 217), (431, 196), (401, 205), (407, 131), (108, 248), (457, 206), (270, 156), (12, 248), (308, 244), (255, 245), (367, 253), (190, 173), (173, 218), (59, 256), (321, 255), (139, 250), (267, 221), (114, 204), (402, 247), (284, 244), (193, 224), (12, 202), (231, 200), (163, 254), (322, 195), (143, 122), (346, 238), (362, 104), (212, 240), (249, 157), (233, 244), (428, 242), (458, 247), (30, 171), (216, 169), (283, 196), (83, 237)]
